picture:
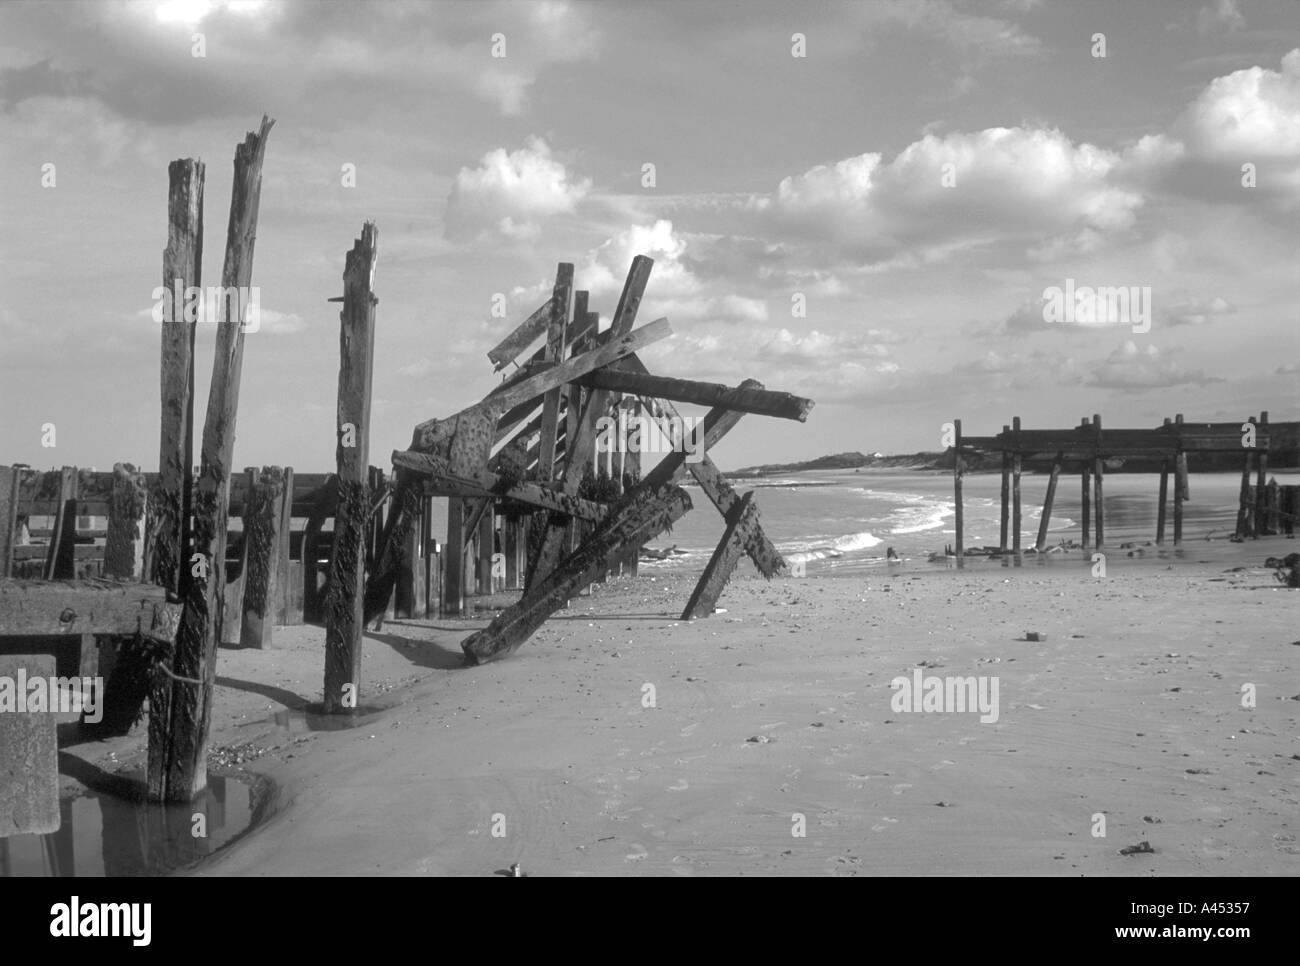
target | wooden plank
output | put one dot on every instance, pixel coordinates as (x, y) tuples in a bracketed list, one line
[(181, 712), (31, 608), (263, 517), (761, 402), (29, 767), (508, 349), (172, 490), (641, 517), (288, 610), (124, 541), (345, 597), (60, 560), (9, 477), (744, 517)]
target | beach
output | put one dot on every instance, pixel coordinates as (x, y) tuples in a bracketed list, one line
[(622, 741)]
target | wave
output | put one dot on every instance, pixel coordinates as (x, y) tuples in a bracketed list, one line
[(846, 543)]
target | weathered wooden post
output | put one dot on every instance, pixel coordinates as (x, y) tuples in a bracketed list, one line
[(1245, 499), (263, 517), (181, 710), (1163, 502), (171, 503), (486, 533), (453, 558), (1085, 489), (345, 598), (1180, 481), (743, 518), (1261, 462), (1047, 503), (956, 488), (1099, 470), (1005, 514), (10, 477), (124, 543), (1016, 522), (286, 584)]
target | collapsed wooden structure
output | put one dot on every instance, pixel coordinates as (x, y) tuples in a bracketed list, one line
[(1264, 509), (531, 448)]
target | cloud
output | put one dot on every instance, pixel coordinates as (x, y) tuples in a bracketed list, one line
[(942, 194), (1198, 311), (510, 194), (1219, 15), (1134, 369)]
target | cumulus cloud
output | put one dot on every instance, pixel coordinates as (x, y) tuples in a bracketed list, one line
[(1134, 369), (1219, 15), (944, 193), (509, 194)]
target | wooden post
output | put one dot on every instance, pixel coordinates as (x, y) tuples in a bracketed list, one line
[(1085, 494), (510, 546), (1099, 472), (124, 544), (1271, 507), (171, 504), (263, 516), (1005, 514), (453, 558), (1164, 499), (180, 712), (406, 603), (956, 487), (61, 559), (1016, 522), (1180, 483), (561, 297), (286, 586), (486, 533), (1047, 504), (10, 477), (1261, 461), (345, 598), (1245, 500)]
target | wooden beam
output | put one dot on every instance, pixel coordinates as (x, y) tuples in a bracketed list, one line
[(744, 517), (124, 543), (1180, 487), (1050, 499), (453, 558), (171, 503), (180, 713), (441, 481), (263, 515), (761, 402), (345, 597), (288, 609), (508, 349), (642, 516), (34, 608)]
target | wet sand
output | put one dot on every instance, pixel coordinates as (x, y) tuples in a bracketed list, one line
[(1130, 707)]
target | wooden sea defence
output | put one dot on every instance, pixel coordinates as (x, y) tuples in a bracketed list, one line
[(1264, 507)]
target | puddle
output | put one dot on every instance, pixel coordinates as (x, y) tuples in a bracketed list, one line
[(309, 719), (103, 835)]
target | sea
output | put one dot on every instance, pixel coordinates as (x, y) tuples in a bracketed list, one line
[(843, 522)]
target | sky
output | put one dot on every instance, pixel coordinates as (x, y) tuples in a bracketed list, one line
[(862, 203)]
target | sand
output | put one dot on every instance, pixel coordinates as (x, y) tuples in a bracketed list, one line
[(1131, 708)]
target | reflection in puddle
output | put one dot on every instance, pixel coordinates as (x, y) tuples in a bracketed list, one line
[(101, 835)]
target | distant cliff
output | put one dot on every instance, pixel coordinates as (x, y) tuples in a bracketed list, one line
[(849, 461)]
